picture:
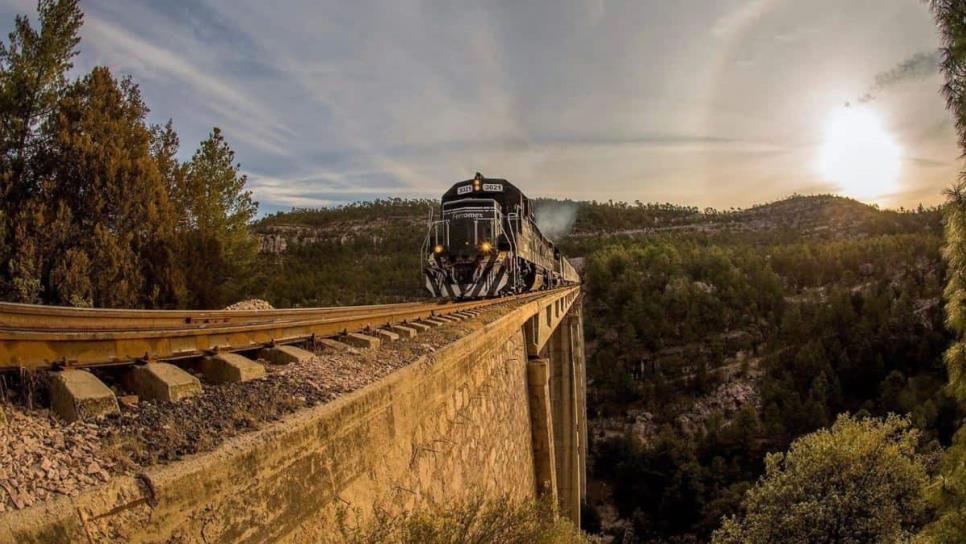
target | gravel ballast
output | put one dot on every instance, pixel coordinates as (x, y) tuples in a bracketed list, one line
[(42, 457)]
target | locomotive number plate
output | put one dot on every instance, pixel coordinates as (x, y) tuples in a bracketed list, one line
[(464, 189), (493, 187)]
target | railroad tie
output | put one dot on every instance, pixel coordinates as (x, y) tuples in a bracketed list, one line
[(448, 318), (359, 340), (283, 355), (333, 345), (161, 381), (406, 331), (385, 336), (230, 368), (78, 394)]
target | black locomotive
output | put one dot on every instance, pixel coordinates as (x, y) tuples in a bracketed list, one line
[(486, 244)]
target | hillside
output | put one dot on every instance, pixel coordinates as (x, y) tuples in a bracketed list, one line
[(780, 316), (369, 252), (816, 216)]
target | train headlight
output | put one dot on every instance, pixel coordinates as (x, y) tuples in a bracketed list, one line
[(485, 247), (438, 249)]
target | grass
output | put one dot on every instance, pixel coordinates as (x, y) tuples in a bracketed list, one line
[(477, 520)]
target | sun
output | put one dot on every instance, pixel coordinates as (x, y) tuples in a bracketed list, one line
[(859, 154)]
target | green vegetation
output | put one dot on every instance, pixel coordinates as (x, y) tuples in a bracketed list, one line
[(854, 327), (95, 210), (361, 253), (819, 305), (950, 495), (473, 521), (596, 218), (820, 327), (859, 481), (411, 210), (215, 211)]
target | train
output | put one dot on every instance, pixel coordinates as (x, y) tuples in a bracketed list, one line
[(485, 243)]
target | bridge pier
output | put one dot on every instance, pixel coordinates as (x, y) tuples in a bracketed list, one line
[(541, 429), (568, 414), (556, 351)]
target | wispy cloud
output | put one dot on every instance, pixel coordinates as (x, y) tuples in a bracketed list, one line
[(329, 101), (740, 18), (129, 53)]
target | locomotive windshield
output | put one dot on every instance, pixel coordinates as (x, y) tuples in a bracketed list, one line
[(472, 223)]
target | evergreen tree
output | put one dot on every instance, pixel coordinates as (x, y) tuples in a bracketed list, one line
[(33, 68), (164, 148), (95, 208), (107, 201), (33, 77), (951, 495), (217, 211)]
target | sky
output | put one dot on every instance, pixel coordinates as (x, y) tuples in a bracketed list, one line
[(702, 102)]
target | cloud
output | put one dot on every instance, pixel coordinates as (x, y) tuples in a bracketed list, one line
[(128, 52), (735, 21), (326, 101), (327, 187), (915, 68)]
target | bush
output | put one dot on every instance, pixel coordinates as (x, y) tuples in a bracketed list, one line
[(477, 520), (860, 481)]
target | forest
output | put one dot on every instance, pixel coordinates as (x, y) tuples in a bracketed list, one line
[(842, 325), (96, 209), (836, 326), (825, 306)]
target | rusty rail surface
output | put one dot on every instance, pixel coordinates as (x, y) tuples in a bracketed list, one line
[(61, 318), (36, 337)]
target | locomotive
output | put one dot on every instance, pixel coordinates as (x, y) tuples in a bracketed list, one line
[(486, 244)]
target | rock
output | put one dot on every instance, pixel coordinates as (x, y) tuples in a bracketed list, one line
[(14, 496), (251, 304)]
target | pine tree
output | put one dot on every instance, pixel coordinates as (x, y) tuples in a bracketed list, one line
[(164, 148), (33, 76), (217, 210), (951, 494), (117, 217), (33, 68), (95, 208)]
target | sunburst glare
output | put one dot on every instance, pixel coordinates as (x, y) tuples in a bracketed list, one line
[(859, 154)]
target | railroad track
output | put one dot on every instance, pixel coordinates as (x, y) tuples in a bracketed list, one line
[(38, 337), (60, 318)]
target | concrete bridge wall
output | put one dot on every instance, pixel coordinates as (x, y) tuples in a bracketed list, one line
[(500, 411)]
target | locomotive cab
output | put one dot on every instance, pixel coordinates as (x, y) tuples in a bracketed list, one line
[(486, 243)]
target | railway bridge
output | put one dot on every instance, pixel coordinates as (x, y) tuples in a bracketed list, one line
[(500, 410)]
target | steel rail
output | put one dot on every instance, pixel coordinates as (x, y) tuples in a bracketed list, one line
[(32, 316), (45, 347)]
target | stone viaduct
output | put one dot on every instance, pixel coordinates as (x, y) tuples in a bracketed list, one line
[(501, 411)]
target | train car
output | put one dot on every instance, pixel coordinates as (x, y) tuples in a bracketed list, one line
[(486, 244)]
